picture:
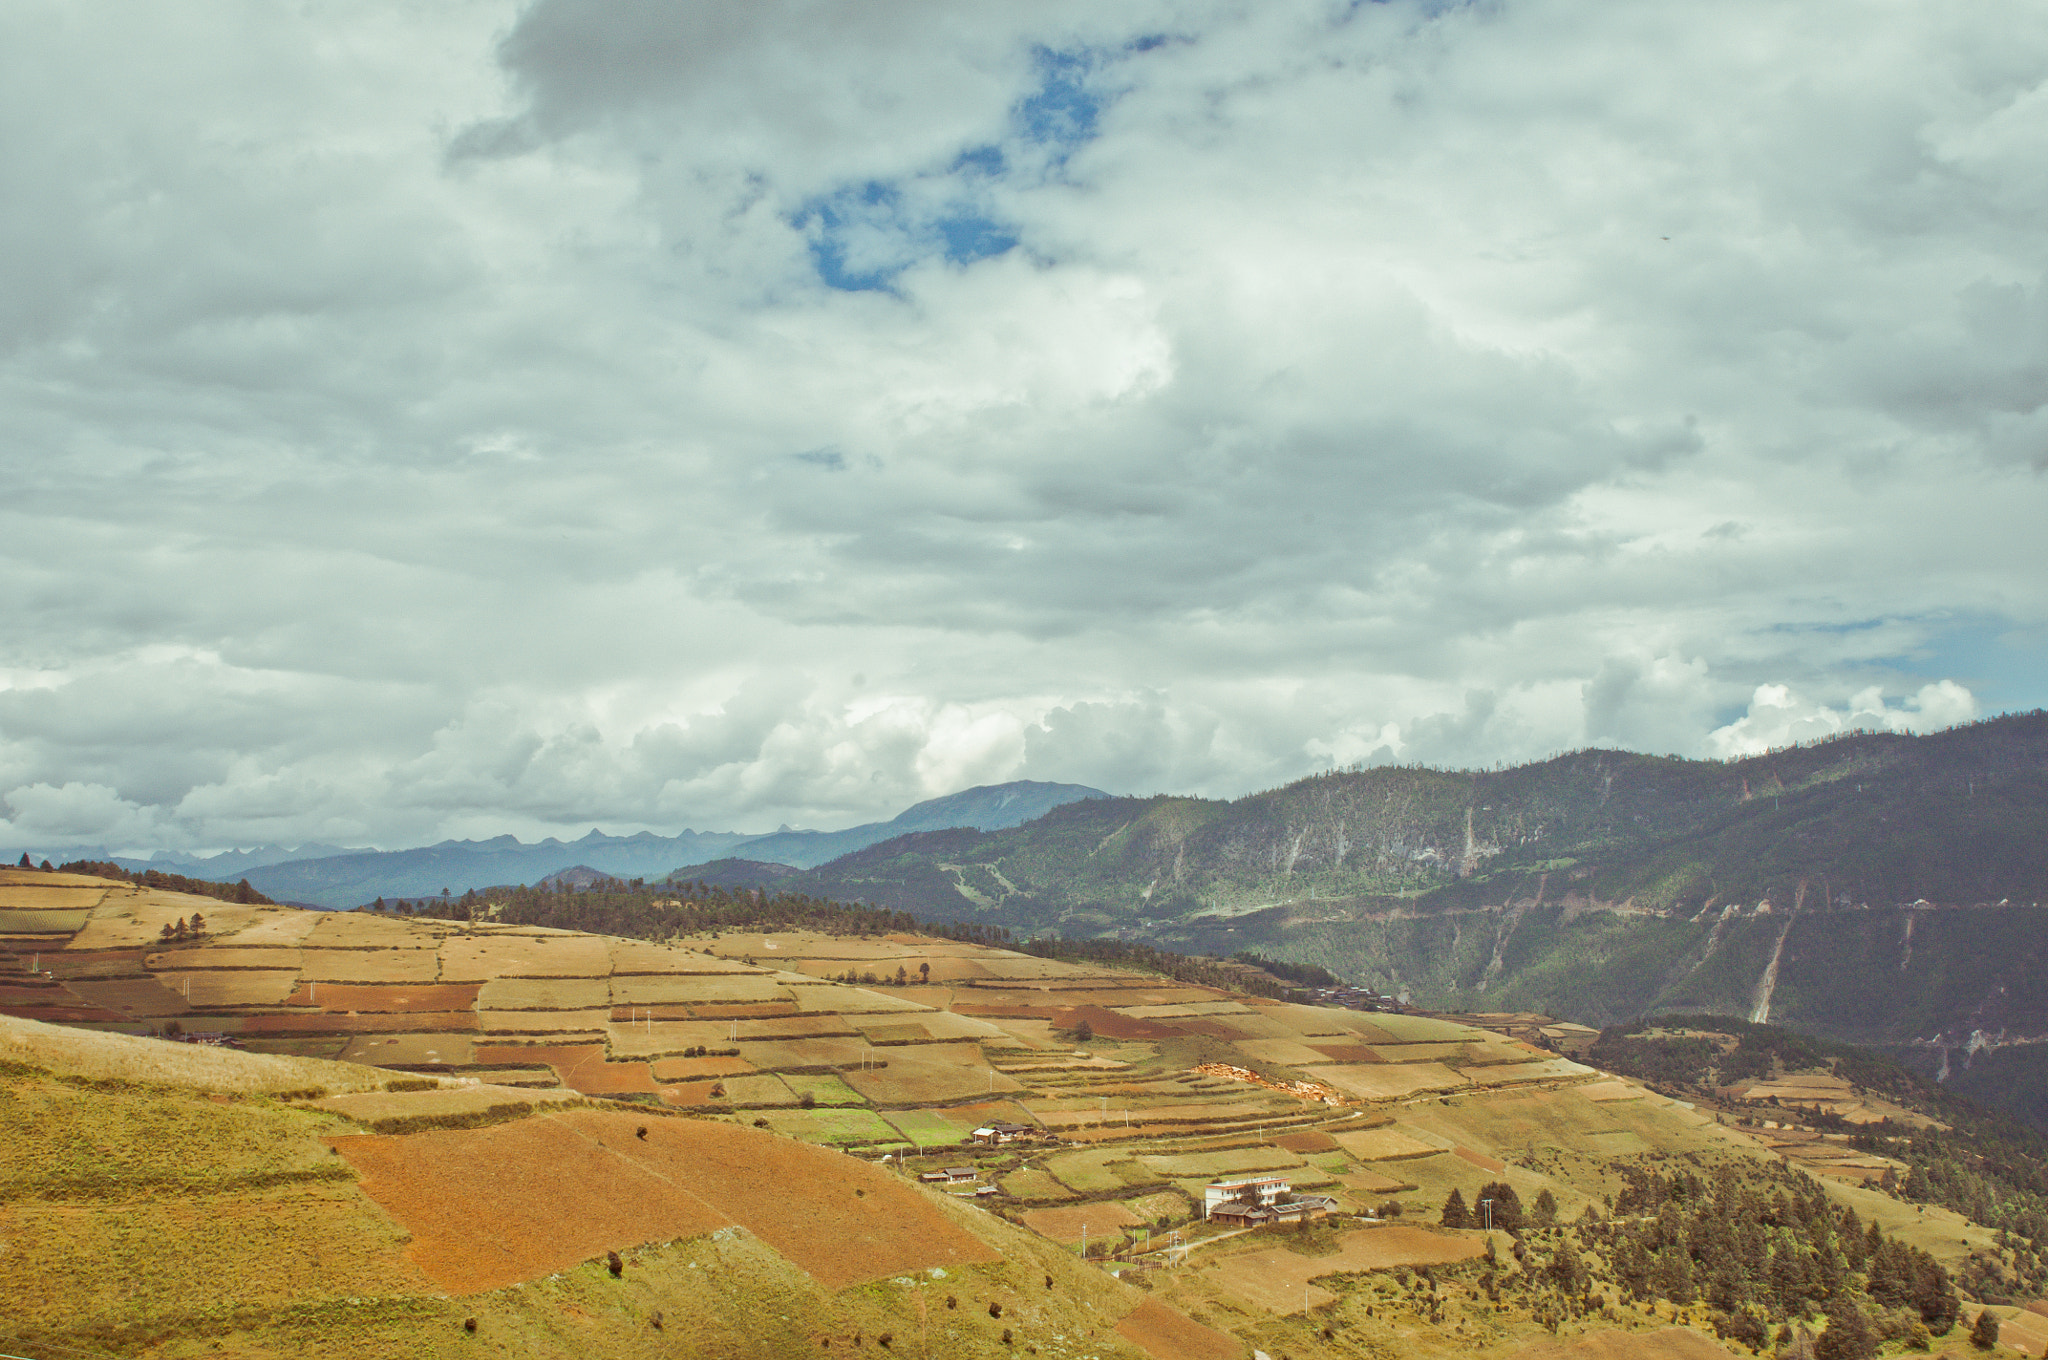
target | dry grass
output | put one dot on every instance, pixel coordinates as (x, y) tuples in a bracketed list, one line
[(1389, 1081), (481, 957), (123, 1058), (544, 994), (372, 965), (1384, 1145), (383, 1109)]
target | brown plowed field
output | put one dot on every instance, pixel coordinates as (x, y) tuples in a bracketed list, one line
[(580, 1066), (692, 1094), (1112, 1024), (1345, 1053), (1166, 1333), (1481, 1160), (492, 1206), (345, 997)]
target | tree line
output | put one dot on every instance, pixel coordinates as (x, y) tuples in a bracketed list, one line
[(1764, 1250), (240, 893)]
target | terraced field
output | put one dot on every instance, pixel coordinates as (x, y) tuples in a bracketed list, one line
[(690, 1089)]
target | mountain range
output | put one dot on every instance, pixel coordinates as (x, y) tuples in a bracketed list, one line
[(330, 876), (1876, 888)]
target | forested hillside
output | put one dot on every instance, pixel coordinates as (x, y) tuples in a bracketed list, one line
[(1875, 887)]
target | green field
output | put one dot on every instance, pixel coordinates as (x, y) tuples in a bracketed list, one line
[(832, 1126), (823, 1089), (924, 1128)]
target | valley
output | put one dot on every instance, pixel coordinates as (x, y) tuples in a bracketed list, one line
[(477, 1137)]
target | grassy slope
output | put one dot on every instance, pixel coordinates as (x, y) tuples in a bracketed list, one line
[(168, 1220)]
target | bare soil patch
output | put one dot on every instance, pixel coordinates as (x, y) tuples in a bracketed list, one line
[(359, 998), (581, 1067), (1166, 1333), (1346, 1053), (1481, 1160), (1110, 1024), (491, 1206)]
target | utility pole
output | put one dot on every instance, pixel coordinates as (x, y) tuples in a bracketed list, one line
[(1487, 1204)]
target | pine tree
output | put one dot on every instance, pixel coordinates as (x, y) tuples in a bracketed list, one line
[(1546, 1209), (1847, 1337), (1984, 1331), (1455, 1213)]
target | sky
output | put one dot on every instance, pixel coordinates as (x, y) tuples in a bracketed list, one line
[(443, 420)]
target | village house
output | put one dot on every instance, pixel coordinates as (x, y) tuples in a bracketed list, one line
[(951, 1175), (1259, 1192)]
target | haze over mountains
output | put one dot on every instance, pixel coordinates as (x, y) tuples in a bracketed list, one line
[(331, 876)]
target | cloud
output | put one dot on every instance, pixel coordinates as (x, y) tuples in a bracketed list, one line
[(514, 417), (1778, 717)]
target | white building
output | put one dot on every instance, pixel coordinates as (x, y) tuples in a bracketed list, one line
[(1270, 1190)]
